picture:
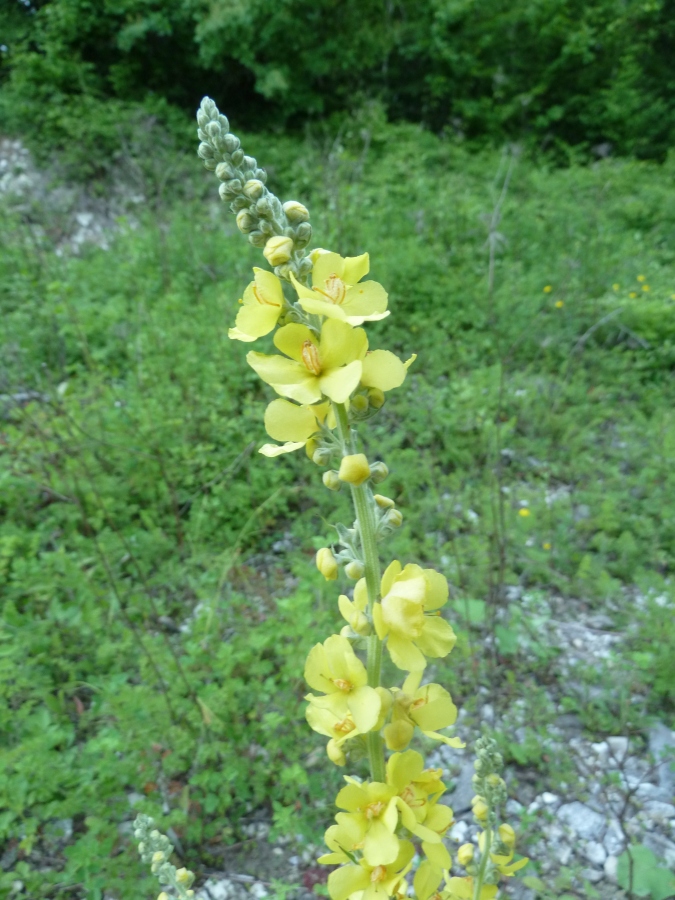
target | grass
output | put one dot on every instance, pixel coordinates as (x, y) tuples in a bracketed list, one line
[(159, 591)]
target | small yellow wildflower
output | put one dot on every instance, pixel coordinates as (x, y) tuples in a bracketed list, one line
[(402, 616), (523, 512), (338, 292), (295, 425), (616, 286), (548, 289), (645, 287), (345, 837), (374, 805), (430, 708), (327, 564), (632, 295), (262, 305), (642, 278), (546, 545), (465, 855), (371, 882), (559, 304), (354, 469), (334, 669)]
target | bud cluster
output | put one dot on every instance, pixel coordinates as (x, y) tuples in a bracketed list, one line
[(282, 231), (156, 849)]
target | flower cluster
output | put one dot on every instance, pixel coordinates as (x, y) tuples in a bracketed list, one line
[(155, 848), (328, 383)]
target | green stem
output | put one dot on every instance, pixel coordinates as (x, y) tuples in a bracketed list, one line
[(484, 859), (363, 506)]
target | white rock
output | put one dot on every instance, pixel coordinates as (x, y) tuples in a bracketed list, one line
[(601, 750), (277, 851), (618, 747), (661, 744), (258, 890), (293, 860), (581, 819), (613, 840), (610, 868), (513, 808), (564, 854), (658, 810), (595, 853), (217, 890), (592, 875), (458, 832), (549, 799)]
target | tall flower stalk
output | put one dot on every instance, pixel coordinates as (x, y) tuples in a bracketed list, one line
[(329, 383)]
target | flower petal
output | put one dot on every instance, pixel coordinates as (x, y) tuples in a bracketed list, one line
[(404, 654), (383, 370), (437, 638), (380, 846), (317, 306), (338, 384), (390, 573), (325, 265), (286, 421), (355, 267), (365, 299), (305, 392), (347, 880), (364, 704), (290, 340), (277, 369), (235, 335), (277, 449), (341, 344)]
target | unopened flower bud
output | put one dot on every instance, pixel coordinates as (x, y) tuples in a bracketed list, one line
[(254, 189), (264, 208), (213, 130), (303, 235), (465, 855), (331, 480), (257, 238), (335, 754), (393, 518), (327, 564), (378, 472), (383, 502), (237, 157), (507, 835), (321, 456), (163, 896), (479, 808), (232, 143), (397, 735), (278, 250), (296, 212), (158, 857), (354, 469), (245, 221), (359, 403), (224, 171), (376, 398), (183, 876), (250, 162), (141, 846), (205, 151), (355, 569)]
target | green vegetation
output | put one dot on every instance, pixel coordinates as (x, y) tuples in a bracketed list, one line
[(145, 649), (559, 74)]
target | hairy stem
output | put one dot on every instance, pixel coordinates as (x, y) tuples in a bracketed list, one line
[(365, 518), (484, 859)]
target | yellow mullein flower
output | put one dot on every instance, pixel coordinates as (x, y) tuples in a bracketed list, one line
[(414, 786), (334, 669), (338, 729), (354, 612), (368, 882), (336, 292), (263, 303), (343, 839), (314, 367), (384, 371), (462, 889), (429, 707), (374, 805), (642, 278), (426, 881), (295, 425), (401, 616), (503, 861)]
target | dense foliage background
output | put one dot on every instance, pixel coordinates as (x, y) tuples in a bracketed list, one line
[(598, 76)]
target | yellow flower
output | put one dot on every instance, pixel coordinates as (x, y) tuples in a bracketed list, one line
[(327, 564), (523, 512), (462, 889), (338, 729), (354, 469), (548, 289), (503, 862), (427, 880), (354, 612), (408, 595), (368, 882), (374, 805), (465, 855), (293, 424), (642, 278), (559, 304), (429, 707), (334, 669), (645, 287), (336, 292), (632, 295), (616, 286), (263, 303), (278, 250), (546, 545), (328, 366), (343, 839)]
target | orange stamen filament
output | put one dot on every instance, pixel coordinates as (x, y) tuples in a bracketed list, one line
[(310, 357)]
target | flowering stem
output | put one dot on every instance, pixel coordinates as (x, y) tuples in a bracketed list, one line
[(363, 506), (485, 857)]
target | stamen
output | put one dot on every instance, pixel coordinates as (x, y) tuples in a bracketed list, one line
[(310, 357)]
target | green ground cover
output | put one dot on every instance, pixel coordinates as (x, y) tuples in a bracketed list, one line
[(158, 586)]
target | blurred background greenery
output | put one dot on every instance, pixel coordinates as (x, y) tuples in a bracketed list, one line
[(507, 167)]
